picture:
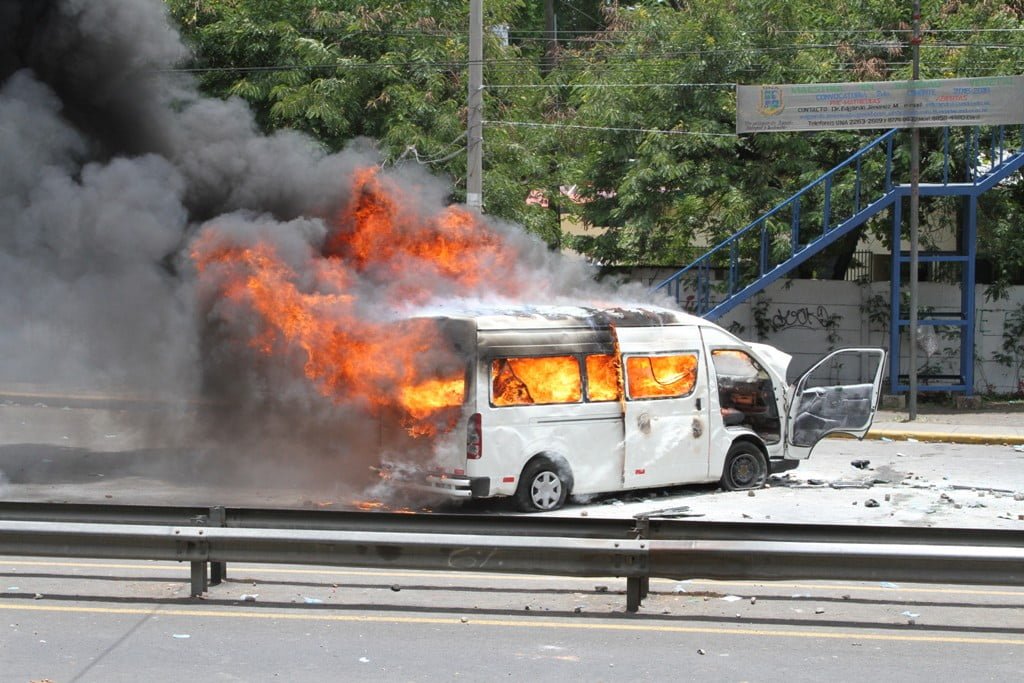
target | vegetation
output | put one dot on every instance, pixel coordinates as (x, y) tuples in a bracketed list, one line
[(633, 104)]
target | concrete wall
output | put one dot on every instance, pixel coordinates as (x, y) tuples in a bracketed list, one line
[(807, 318)]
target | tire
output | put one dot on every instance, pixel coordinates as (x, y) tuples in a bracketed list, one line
[(544, 485), (745, 467)]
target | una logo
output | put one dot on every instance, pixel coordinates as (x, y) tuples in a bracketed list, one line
[(771, 101)]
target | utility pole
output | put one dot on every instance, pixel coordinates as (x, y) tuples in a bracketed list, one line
[(915, 197), (475, 125), (550, 36)]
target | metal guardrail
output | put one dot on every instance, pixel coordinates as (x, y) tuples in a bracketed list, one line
[(636, 549)]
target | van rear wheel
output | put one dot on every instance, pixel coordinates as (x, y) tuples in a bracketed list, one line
[(544, 485), (745, 467)]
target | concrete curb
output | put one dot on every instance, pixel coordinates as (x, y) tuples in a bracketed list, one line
[(940, 437)]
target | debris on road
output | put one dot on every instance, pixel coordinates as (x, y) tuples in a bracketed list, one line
[(860, 464), (851, 484)]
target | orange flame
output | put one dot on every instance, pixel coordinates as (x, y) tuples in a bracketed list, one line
[(307, 307), (524, 381), (604, 377), (651, 376)]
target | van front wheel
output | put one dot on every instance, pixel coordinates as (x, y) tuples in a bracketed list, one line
[(544, 485), (745, 467)]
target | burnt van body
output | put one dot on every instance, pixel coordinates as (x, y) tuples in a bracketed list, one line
[(577, 401)]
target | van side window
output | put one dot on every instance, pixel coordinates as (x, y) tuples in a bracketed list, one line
[(746, 394), (604, 377), (661, 376), (536, 381)]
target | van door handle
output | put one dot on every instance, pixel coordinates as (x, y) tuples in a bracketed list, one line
[(698, 404)]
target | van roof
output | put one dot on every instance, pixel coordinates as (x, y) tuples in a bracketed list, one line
[(493, 317)]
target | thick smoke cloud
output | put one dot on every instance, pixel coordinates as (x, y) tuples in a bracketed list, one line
[(111, 164)]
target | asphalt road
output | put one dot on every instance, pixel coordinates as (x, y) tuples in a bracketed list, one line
[(124, 621), (67, 621)]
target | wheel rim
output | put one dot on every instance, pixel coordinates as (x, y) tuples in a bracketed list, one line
[(745, 470), (546, 490)]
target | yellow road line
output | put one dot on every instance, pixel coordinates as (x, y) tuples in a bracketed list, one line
[(370, 573), (517, 623)]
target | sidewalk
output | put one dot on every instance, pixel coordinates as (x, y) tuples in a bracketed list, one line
[(992, 424)]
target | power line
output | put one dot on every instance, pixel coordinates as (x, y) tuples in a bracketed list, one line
[(497, 86), (607, 128)]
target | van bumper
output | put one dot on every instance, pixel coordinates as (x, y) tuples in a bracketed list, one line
[(459, 486)]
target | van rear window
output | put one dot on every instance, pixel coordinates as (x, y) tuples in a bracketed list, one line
[(661, 376), (536, 381)]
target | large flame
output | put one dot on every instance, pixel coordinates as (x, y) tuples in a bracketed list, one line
[(309, 307), (524, 381)]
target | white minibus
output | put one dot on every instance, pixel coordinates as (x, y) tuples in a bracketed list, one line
[(566, 401)]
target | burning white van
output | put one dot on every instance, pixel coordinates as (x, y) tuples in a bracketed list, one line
[(564, 401)]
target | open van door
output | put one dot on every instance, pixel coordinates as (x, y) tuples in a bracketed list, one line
[(838, 394)]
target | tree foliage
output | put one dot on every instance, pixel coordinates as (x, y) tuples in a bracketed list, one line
[(633, 105)]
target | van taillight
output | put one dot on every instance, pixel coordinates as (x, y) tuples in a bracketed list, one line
[(474, 438)]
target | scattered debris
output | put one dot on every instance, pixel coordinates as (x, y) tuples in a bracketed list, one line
[(850, 485), (37, 596), (181, 636), (860, 464), (701, 651), (364, 660), (912, 615), (870, 503), (465, 620), (312, 601), (395, 587), (600, 589), (577, 609), (249, 597), (753, 600), (819, 610), (731, 598), (888, 584), (750, 494), (816, 482)]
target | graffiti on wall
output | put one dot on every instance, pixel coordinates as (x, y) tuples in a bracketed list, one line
[(804, 317)]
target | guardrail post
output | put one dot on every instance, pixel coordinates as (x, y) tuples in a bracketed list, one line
[(199, 578), (634, 593), (637, 587), (218, 570)]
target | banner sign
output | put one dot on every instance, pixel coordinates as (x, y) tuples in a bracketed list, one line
[(883, 104)]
